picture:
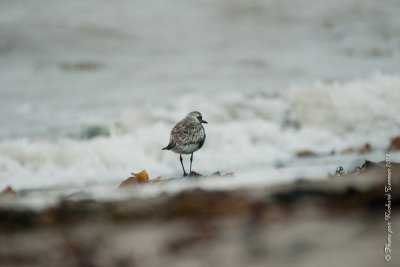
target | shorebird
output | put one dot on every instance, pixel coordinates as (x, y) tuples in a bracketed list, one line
[(187, 137)]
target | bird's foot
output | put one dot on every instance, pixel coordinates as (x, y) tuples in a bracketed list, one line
[(192, 174), (195, 174)]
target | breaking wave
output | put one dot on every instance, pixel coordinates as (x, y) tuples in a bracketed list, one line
[(246, 131)]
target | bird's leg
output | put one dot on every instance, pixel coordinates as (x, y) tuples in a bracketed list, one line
[(184, 172), (191, 159)]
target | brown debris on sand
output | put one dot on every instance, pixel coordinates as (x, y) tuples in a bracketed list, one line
[(135, 179), (306, 153), (8, 192), (143, 178), (394, 144), (365, 149), (250, 226)]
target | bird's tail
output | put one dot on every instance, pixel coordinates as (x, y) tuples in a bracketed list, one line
[(169, 147)]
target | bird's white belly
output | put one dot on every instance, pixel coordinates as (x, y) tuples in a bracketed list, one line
[(186, 149)]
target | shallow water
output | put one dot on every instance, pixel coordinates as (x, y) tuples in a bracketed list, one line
[(271, 78)]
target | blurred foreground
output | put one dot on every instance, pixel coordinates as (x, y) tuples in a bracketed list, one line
[(340, 218)]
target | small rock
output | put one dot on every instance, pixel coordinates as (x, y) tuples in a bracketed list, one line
[(339, 171)]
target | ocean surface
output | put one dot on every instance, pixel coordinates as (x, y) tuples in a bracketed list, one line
[(89, 91)]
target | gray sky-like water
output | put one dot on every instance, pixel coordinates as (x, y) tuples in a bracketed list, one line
[(64, 64)]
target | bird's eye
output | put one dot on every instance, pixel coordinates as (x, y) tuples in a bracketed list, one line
[(200, 118)]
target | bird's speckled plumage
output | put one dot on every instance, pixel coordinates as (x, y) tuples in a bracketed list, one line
[(187, 136)]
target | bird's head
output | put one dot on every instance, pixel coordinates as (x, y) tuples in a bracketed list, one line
[(197, 115)]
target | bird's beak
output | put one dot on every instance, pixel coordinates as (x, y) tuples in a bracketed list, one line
[(203, 121)]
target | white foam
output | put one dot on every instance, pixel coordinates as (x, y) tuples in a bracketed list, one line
[(246, 133)]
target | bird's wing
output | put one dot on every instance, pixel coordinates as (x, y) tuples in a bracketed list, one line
[(185, 132)]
